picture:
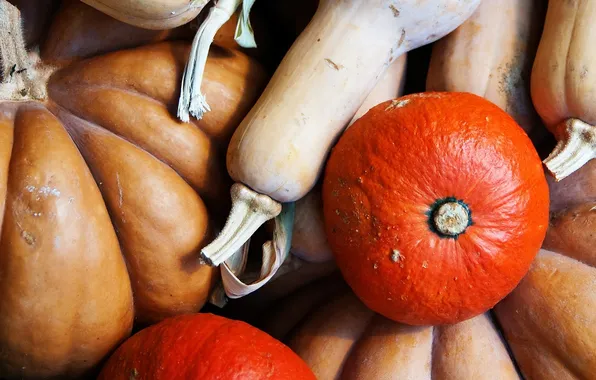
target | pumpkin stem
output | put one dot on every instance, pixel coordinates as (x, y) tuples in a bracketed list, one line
[(577, 146), (249, 211), (192, 101), (19, 79), (451, 219)]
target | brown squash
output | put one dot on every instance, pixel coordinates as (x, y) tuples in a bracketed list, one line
[(107, 198), (564, 83), (549, 319), (339, 338)]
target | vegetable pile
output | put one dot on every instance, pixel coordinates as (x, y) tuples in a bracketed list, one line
[(297, 190)]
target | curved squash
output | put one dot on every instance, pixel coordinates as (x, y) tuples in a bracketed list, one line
[(107, 199), (563, 83), (278, 151)]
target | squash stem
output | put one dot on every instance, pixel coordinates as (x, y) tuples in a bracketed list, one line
[(249, 211), (576, 147), (192, 101), (19, 77)]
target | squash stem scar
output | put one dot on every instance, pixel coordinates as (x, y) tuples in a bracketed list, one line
[(449, 217)]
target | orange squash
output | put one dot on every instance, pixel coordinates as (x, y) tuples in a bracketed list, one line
[(435, 204), (564, 83), (339, 338), (204, 347), (107, 198), (549, 318)]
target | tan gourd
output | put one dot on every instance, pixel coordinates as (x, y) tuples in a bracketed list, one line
[(151, 14), (479, 57), (339, 338), (564, 83), (278, 151)]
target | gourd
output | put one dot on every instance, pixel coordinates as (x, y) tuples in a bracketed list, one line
[(563, 83), (106, 197), (277, 153), (152, 14), (419, 230), (206, 347), (549, 318), (338, 337), (478, 57)]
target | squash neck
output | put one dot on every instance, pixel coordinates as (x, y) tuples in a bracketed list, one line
[(20, 80)]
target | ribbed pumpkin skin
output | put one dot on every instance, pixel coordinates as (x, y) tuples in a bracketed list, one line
[(107, 197), (65, 295), (204, 347), (390, 169), (339, 338), (549, 319)]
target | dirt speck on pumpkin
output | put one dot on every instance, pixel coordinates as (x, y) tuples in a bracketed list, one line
[(397, 104), (28, 237), (425, 264), (134, 374), (375, 266), (396, 256)]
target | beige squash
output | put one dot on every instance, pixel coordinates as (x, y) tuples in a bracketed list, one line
[(491, 55), (564, 83), (278, 151)]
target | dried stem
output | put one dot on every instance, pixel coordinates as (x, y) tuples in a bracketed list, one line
[(249, 211), (192, 101), (577, 146), (19, 78)]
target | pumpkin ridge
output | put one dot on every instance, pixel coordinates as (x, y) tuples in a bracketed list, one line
[(179, 256), (202, 188)]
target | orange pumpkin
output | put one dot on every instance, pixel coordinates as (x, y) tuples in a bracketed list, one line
[(549, 318), (435, 205), (107, 198), (204, 347), (339, 338)]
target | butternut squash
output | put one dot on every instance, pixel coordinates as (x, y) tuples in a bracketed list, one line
[(479, 57), (278, 151), (564, 83)]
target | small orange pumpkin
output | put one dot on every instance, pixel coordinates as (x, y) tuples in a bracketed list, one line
[(435, 205)]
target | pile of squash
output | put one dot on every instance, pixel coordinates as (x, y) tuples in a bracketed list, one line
[(276, 234)]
